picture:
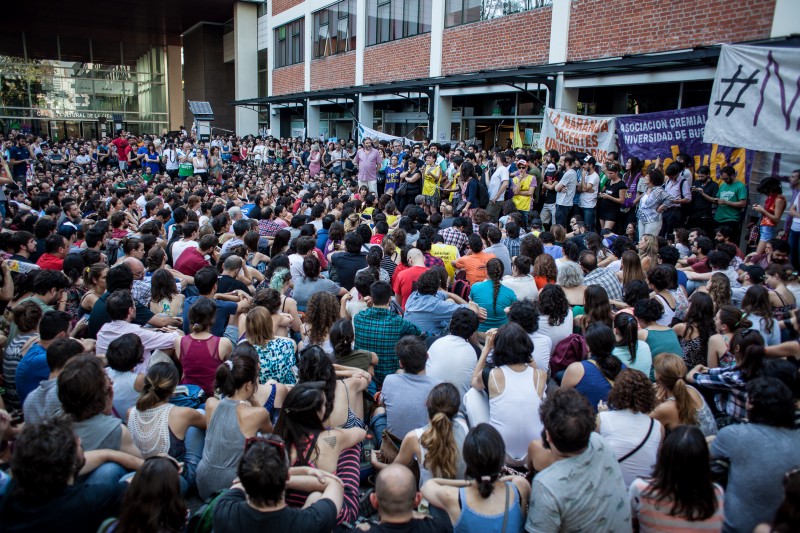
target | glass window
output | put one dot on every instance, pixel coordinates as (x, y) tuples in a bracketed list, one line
[(335, 29), (289, 43), (466, 11), (388, 20)]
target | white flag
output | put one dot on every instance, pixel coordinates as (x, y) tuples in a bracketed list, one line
[(754, 101)]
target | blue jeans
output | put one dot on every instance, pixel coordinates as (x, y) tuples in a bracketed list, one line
[(589, 217), (378, 424), (106, 473), (767, 232), (195, 440)]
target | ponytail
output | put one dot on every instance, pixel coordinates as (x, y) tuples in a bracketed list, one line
[(442, 450), (159, 384), (609, 365), (494, 269), (237, 371), (486, 485), (600, 339), (687, 414), (629, 329)]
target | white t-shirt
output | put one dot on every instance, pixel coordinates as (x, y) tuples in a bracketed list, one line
[(258, 152), (542, 347), (452, 359), (524, 287), (589, 199), (83, 159), (172, 159), (500, 175), (296, 266), (181, 246), (556, 333), (624, 431)]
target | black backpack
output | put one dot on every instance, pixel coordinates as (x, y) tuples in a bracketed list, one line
[(483, 194)]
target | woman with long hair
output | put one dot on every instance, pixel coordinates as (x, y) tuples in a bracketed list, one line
[(730, 384), (648, 251), (719, 289), (555, 314), (255, 259), (335, 240), (164, 296), (201, 352), (312, 282), (771, 212), (544, 269), (486, 500), (281, 281), (271, 300), (611, 199), (276, 355), (695, 332), (493, 296), (630, 267), (757, 309), (94, 279), (633, 352), (660, 282), (520, 280), (727, 320), (131, 247), (652, 203), (437, 446), (595, 376), (678, 402), (153, 501), (776, 277), (594, 243), (280, 243), (342, 337), (159, 427), (680, 495), (631, 177), (514, 386), (626, 425), (74, 267), (240, 414), (598, 308), (322, 311), (309, 443)]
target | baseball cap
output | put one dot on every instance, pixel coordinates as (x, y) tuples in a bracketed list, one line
[(589, 159), (755, 272)]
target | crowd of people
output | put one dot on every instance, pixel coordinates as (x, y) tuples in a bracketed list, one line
[(319, 336)]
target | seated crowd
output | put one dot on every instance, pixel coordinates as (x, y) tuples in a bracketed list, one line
[(300, 352)]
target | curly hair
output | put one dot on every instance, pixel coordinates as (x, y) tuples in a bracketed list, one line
[(570, 275), (719, 289), (321, 312), (553, 303), (545, 266), (632, 390), (531, 247)]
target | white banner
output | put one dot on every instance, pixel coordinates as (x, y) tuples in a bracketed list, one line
[(364, 131), (753, 99), (565, 132)]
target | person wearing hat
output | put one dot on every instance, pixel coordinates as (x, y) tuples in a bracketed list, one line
[(524, 187), (588, 185)]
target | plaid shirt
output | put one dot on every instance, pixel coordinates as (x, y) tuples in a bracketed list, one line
[(378, 330), (431, 261), (268, 228), (606, 279), (141, 290), (512, 245), (731, 388), (454, 237)]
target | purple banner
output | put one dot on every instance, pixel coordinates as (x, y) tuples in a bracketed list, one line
[(669, 133)]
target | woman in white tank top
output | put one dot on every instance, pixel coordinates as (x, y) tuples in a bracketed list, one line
[(515, 387)]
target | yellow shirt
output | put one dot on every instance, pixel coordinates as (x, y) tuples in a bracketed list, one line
[(447, 253), (432, 175), (523, 203)]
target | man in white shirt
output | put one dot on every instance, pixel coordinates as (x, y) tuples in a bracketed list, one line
[(191, 231), (258, 152), (588, 186), (498, 184)]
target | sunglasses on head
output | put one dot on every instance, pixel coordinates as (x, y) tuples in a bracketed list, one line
[(274, 441)]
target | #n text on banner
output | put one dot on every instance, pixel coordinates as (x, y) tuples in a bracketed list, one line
[(754, 99)]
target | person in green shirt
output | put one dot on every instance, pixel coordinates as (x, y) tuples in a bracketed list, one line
[(731, 202)]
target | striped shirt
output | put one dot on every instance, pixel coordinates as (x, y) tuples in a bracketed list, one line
[(654, 515)]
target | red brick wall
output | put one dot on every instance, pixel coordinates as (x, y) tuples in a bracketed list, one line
[(288, 80), (642, 26), (333, 72), (279, 6), (512, 41), (404, 59)]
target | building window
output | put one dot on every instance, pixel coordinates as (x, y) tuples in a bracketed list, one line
[(465, 11), (261, 10), (263, 73), (394, 19), (335, 29), (289, 43)]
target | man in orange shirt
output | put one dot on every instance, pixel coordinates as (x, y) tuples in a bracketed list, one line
[(475, 262), (403, 282)]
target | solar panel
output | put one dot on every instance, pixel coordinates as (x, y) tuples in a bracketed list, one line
[(201, 109)]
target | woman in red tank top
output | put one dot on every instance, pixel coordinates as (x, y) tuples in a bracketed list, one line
[(770, 212), (200, 352)]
